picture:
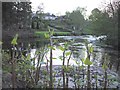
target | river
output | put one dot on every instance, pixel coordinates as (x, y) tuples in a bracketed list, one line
[(78, 49)]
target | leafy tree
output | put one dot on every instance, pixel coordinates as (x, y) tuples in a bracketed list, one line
[(16, 14), (106, 23), (99, 22), (113, 10), (76, 19)]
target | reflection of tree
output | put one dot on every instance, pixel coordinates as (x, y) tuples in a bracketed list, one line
[(114, 60)]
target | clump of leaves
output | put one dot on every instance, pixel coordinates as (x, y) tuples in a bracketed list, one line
[(14, 41)]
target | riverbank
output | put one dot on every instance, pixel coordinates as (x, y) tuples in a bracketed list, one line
[(25, 35), (42, 33)]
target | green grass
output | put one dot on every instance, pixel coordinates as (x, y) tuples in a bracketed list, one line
[(88, 31), (42, 33)]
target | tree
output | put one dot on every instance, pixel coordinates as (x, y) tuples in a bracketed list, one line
[(76, 19), (16, 14), (106, 23), (99, 22), (113, 10)]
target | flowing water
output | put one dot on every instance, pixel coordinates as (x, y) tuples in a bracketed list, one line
[(78, 49), (79, 52)]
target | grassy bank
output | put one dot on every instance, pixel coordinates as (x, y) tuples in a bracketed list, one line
[(42, 33)]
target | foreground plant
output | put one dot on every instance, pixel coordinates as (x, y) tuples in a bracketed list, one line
[(105, 67), (64, 48), (87, 62), (65, 68), (49, 36), (13, 61)]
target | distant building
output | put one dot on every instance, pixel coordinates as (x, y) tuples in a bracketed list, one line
[(61, 18), (48, 16)]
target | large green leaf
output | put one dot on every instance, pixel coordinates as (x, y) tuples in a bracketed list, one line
[(87, 61), (28, 57), (67, 53), (66, 45), (83, 60), (104, 66), (61, 48), (90, 49), (81, 67), (14, 41), (23, 57), (47, 35), (54, 58), (51, 47), (52, 32)]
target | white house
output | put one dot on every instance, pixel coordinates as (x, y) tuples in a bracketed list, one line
[(49, 17)]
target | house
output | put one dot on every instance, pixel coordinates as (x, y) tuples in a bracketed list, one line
[(49, 16)]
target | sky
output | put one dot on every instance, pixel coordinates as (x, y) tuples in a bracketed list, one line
[(59, 7)]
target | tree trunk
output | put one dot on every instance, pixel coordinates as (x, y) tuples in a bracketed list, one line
[(51, 77), (63, 69), (37, 71), (105, 84), (88, 71), (88, 76), (67, 76)]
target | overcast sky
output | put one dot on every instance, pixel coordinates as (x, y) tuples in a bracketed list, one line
[(59, 7)]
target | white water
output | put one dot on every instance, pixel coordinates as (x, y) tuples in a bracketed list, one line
[(82, 53)]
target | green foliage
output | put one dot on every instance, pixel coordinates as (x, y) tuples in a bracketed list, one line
[(99, 22), (90, 49), (87, 61), (47, 36), (105, 23), (45, 33), (28, 57), (5, 64), (61, 48), (60, 57), (67, 53), (54, 58), (106, 61), (77, 19), (16, 13), (14, 41), (52, 47), (104, 66)]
